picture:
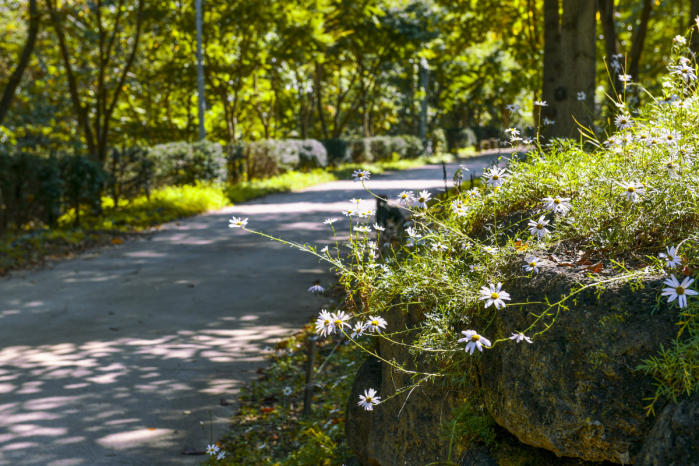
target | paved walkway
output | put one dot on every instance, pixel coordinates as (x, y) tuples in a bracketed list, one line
[(115, 357)]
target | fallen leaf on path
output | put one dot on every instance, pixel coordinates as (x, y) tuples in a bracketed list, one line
[(116, 241), (565, 264), (597, 268), (266, 410)]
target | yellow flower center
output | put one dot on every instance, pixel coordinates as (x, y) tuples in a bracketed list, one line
[(669, 137), (496, 177), (679, 290), (539, 226), (327, 321), (338, 322), (421, 199), (475, 338), (375, 323), (532, 264), (368, 399), (631, 189), (556, 201), (494, 296)]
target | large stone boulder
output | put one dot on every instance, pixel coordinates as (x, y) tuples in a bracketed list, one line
[(404, 430), (575, 390), (674, 439)]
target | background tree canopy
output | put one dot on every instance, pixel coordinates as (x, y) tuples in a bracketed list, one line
[(119, 73)]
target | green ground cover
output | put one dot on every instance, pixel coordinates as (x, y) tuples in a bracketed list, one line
[(116, 223)]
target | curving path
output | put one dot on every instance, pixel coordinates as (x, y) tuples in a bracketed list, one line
[(115, 357)]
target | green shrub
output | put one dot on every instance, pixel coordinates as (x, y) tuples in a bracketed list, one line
[(180, 163), (338, 151)]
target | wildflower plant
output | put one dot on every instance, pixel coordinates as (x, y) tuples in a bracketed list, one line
[(629, 195)]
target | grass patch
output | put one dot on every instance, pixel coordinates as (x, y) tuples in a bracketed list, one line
[(268, 429)]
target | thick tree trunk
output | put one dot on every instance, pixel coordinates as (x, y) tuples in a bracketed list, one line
[(607, 11), (638, 39), (552, 59), (576, 62), (16, 76), (694, 12)]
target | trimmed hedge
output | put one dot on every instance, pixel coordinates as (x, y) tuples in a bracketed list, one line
[(37, 190)]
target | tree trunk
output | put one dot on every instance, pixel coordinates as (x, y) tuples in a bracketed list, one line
[(319, 99), (552, 59), (694, 12), (607, 11), (638, 39), (16, 76), (577, 69)]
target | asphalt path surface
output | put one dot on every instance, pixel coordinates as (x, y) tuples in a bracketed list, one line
[(115, 357)]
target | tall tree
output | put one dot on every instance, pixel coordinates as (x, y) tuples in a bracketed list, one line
[(16, 77), (571, 66), (95, 106)]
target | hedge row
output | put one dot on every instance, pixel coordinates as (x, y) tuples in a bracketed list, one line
[(38, 189)]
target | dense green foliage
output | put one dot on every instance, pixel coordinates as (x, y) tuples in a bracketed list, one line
[(303, 68)]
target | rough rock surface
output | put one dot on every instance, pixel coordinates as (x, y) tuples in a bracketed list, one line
[(574, 391), (674, 439), (404, 430)]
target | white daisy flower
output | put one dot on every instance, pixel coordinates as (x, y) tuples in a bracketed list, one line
[(421, 200), (371, 245), (330, 221), (238, 222), (473, 341), (324, 250), (369, 399), (540, 103), (517, 337), (684, 71), (557, 204), (672, 259), (358, 330), (362, 229), (356, 201), (375, 324), (349, 212), (671, 167), (316, 289), (494, 295), (405, 198), (582, 95), (412, 233), (340, 320), (490, 249), (625, 78), (324, 323), (473, 193), (538, 227), (684, 151), (677, 291), (439, 247), (512, 131), (671, 137), (378, 227), (495, 177), (532, 264), (221, 455), (361, 175), (653, 141), (212, 449), (642, 137), (611, 141), (623, 121), (681, 104), (680, 40), (288, 391), (548, 122), (625, 139), (512, 107), (475, 268), (633, 190)]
